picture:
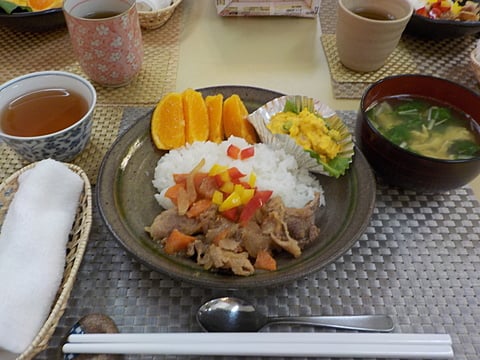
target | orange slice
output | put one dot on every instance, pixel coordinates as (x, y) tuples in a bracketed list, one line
[(38, 5), (214, 105), (196, 116), (235, 120), (168, 122)]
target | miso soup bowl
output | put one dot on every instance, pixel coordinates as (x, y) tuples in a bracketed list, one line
[(401, 167), (63, 145)]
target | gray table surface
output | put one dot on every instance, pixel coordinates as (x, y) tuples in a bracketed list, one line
[(418, 261)]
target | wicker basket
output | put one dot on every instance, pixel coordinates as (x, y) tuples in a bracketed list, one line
[(155, 19), (75, 249)]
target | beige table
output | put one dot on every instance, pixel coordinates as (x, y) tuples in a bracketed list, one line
[(282, 54), (418, 259)]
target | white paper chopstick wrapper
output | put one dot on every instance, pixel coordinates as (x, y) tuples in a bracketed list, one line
[(32, 249), (411, 346)]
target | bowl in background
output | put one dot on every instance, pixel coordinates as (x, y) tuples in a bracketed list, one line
[(63, 145), (428, 28), (36, 21), (475, 63), (401, 167)]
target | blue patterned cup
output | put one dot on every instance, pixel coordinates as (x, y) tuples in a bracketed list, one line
[(64, 144)]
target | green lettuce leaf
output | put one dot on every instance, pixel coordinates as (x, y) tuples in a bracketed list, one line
[(291, 107), (10, 7), (335, 167)]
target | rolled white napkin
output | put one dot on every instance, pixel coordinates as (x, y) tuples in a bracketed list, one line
[(33, 248)]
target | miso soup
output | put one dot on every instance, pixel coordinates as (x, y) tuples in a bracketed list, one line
[(426, 127)]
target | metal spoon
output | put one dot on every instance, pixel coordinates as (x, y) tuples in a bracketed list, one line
[(230, 314)]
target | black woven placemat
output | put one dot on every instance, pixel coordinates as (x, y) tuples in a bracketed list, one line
[(418, 261)]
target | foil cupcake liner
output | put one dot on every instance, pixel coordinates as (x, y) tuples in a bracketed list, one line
[(262, 116)]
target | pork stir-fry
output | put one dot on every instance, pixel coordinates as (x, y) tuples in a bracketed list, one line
[(216, 242)]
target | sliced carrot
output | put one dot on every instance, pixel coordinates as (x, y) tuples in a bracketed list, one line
[(198, 207), (198, 178), (265, 261), (172, 192), (177, 241), (180, 178)]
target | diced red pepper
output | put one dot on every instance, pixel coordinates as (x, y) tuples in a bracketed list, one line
[(247, 153), (235, 174), (233, 151), (435, 13), (258, 200), (231, 214), (421, 11)]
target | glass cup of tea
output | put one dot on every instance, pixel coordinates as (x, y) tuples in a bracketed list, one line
[(368, 31), (106, 39)]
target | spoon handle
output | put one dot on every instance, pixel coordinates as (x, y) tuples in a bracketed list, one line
[(380, 323)]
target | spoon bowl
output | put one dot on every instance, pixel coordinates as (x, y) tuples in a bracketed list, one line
[(230, 314)]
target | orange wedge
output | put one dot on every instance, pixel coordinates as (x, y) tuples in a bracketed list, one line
[(39, 5), (168, 122), (214, 105), (196, 116), (235, 120)]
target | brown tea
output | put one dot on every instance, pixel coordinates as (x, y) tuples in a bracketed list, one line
[(373, 14), (101, 14), (43, 112)]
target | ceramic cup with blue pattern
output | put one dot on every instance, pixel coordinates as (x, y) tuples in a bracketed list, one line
[(63, 145)]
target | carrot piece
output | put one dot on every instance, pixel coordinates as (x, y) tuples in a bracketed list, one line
[(172, 192), (198, 179), (198, 207), (180, 178), (265, 261), (177, 241)]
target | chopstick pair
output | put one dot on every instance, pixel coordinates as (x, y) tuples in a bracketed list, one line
[(391, 345)]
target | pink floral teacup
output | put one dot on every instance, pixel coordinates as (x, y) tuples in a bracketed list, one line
[(106, 39)]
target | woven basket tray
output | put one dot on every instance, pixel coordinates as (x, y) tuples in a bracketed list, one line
[(155, 19), (75, 249)]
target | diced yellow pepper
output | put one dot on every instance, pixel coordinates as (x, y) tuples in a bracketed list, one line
[(246, 195), (446, 3), (217, 169), (217, 197), (227, 187), (252, 179), (225, 176), (456, 8), (232, 201)]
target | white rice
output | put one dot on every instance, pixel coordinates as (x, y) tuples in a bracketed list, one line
[(274, 169)]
